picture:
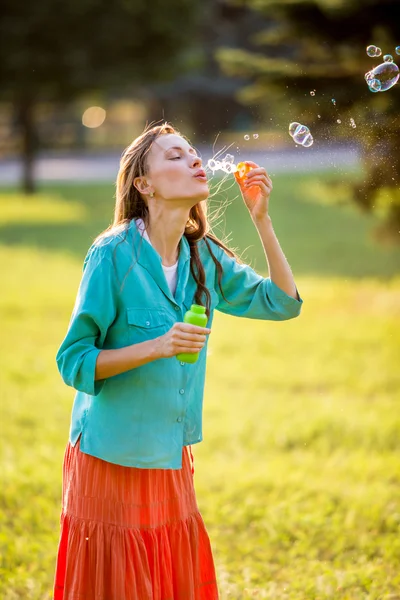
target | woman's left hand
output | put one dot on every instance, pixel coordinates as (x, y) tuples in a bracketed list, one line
[(256, 188)]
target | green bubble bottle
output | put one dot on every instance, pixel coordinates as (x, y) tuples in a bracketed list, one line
[(195, 316)]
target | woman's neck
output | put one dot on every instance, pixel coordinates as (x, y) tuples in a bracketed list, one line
[(165, 234)]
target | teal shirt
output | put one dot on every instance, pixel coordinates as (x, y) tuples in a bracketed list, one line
[(143, 417)]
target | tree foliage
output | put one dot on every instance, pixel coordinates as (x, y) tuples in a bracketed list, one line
[(320, 45), (57, 50)]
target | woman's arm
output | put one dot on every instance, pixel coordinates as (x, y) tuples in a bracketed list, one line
[(120, 360), (279, 269)]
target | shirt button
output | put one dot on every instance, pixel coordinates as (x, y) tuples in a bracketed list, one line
[(177, 308), (179, 419), (147, 323), (182, 364), (182, 391)]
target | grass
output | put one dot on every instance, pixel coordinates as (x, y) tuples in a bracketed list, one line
[(298, 475)]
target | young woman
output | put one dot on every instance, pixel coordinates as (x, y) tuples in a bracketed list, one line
[(130, 524)]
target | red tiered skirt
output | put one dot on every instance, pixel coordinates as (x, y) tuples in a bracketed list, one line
[(131, 534)]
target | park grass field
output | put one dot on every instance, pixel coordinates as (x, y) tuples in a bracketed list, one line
[(298, 476)]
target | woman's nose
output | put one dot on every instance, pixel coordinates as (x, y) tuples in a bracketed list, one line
[(196, 161)]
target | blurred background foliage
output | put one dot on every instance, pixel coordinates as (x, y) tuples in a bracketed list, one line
[(308, 54)]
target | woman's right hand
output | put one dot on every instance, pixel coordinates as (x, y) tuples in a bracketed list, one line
[(182, 337)]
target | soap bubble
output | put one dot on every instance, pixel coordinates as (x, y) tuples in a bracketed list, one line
[(338, 121), (373, 51), (334, 101), (228, 168), (255, 136), (247, 137), (312, 93), (398, 50), (301, 134), (308, 141), (292, 128), (383, 77), (319, 116), (352, 123), (388, 58), (226, 164), (374, 85)]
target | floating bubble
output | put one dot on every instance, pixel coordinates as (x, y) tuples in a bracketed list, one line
[(292, 128), (374, 85), (312, 93), (334, 101), (226, 164), (398, 50), (352, 123), (247, 137), (338, 121), (388, 58), (383, 77), (319, 116), (308, 141), (255, 136), (373, 51), (301, 134), (228, 168)]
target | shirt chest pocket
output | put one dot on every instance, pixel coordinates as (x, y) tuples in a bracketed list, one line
[(146, 323)]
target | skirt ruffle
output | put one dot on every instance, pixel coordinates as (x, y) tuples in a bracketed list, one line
[(131, 534)]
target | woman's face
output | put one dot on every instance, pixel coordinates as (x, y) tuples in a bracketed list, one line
[(175, 171)]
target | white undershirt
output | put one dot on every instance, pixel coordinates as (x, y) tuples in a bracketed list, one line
[(171, 273)]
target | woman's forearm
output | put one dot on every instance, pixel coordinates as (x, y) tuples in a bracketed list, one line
[(279, 269), (120, 360)]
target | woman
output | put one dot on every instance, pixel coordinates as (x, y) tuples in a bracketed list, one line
[(130, 524)]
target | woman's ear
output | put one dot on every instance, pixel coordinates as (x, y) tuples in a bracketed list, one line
[(142, 185)]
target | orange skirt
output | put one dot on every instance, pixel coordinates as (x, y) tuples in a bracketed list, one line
[(131, 534)]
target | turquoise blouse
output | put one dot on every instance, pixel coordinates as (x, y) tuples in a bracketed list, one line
[(143, 417)]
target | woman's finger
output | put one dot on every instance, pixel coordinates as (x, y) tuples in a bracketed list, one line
[(251, 164), (263, 187), (258, 181), (255, 172)]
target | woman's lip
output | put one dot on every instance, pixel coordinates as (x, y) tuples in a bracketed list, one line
[(202, 177)]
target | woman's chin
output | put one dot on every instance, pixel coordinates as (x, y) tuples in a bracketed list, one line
[(201, 198)]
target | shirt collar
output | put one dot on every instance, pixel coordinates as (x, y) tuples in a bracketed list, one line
[(148, 257)]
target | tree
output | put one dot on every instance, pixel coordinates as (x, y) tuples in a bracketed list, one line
[(307, 45), (55, 51)]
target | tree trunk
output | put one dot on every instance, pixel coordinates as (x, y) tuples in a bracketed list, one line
[(26, 122)]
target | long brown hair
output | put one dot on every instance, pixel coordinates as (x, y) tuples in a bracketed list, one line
[(131, 205)]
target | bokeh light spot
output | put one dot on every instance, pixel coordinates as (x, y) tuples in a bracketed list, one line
[(94, 116)]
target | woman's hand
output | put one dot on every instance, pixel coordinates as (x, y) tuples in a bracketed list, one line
[(182, 337), (256, 187)]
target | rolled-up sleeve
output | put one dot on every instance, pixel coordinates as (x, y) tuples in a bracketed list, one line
[(250, 295), (93, 313)]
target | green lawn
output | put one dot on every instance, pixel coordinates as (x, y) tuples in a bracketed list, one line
[(298, 476)]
